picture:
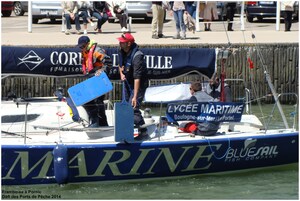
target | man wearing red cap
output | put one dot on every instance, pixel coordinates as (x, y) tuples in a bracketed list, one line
[(93, 59), (133, 71)]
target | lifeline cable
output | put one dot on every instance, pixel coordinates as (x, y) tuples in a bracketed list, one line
[(219, 158)]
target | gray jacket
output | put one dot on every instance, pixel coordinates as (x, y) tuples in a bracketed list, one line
[(201, 96)]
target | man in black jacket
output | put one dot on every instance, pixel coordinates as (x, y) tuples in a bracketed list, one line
[(231, 7), (133, 71)]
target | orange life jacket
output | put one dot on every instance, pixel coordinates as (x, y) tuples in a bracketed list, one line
[(88, 58)]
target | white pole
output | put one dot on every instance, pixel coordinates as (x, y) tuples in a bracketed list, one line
[(29, 16), (63, 23), (197, 16), (278, 16), (242, 16)]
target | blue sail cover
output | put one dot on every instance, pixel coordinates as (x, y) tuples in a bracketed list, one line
[(162, 63)]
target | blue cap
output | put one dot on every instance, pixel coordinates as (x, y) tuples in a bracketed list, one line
[(82, 41)]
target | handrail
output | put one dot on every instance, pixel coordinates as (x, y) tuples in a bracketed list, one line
[(247, 94), (18, 102), (248, 102)]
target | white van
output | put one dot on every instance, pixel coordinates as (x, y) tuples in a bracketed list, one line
[(46, 9)]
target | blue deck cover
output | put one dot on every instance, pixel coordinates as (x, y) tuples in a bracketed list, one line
[(90, 89)]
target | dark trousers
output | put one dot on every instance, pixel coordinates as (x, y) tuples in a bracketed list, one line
[(288, 19), (123, 20), (230, 15), (138, 118), (68, 21), (84, 14), (96, 111), (101, 19)]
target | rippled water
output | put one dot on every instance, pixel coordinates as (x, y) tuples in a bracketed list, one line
[(262, 184), (279, 183)]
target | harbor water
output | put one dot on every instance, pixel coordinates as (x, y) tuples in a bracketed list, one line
[(271, 183)]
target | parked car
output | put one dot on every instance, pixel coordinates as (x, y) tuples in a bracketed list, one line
[(264, 9), (20, 7), (6, 8), (50, 9), (140, 9)]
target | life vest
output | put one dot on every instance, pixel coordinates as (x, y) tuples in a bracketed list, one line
[(126, 62), (128, 59), (188, 127), (89, 58)]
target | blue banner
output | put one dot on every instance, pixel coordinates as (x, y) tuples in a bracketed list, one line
[(162, 63), (205, 112)]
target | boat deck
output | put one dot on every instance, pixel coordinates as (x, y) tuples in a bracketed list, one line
[(70, 137), (39, 132)]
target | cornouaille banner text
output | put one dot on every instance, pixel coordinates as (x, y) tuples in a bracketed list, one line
[(162, 63)]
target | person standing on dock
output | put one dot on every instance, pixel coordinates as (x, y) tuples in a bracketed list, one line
[(230, 10), (287, 7)]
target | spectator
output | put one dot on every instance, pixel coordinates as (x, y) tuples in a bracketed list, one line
[(93, 58), (133, 70), (178, 8), (119, 8), (158, 19), (210, 14), (84, 12), (191, 8), (70, 12), (100, 9), (231, 8), (287, 7)]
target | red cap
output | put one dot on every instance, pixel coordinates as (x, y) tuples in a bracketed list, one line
[(127, 37)]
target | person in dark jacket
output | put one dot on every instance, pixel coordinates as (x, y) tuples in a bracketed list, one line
[(133, 71), (231, 8)]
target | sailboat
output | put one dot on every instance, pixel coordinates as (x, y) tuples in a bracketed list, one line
[(42, 144)]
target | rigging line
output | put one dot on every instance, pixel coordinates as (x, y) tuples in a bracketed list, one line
[(14, 134), (255, 89), (229, 44), (213, 152), (268, 78)]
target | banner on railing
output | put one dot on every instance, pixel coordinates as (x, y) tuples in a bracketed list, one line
[(162, 63), (205, 112)]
